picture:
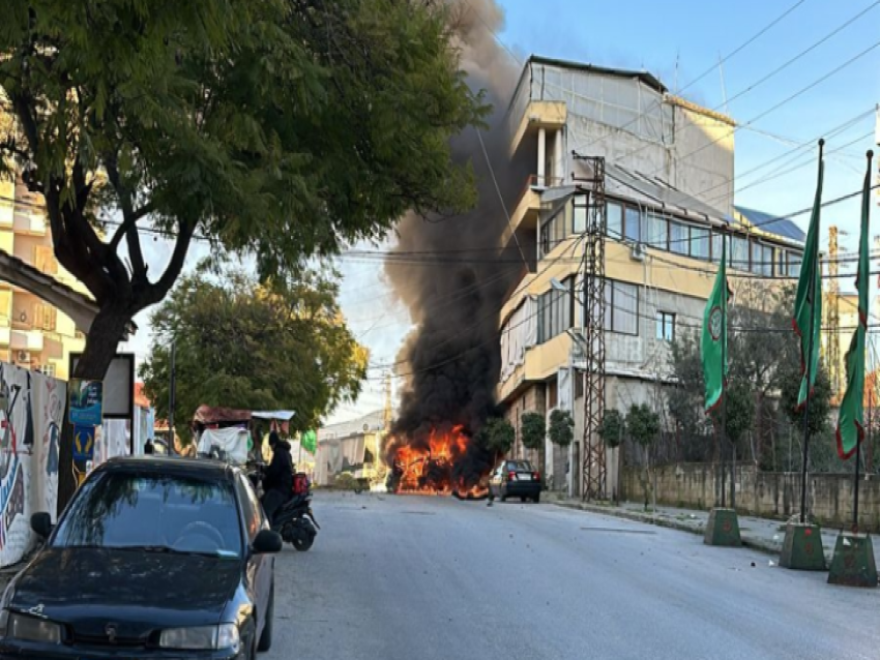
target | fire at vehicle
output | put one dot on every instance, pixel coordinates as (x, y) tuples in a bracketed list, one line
[(444, 461)]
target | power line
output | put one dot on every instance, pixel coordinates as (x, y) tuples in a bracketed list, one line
[(774, 72), (775, 107)]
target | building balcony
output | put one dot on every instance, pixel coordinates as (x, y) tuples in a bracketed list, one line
[(538, 114), (540, 363), (5, 335), (524, 215), (26, 340)]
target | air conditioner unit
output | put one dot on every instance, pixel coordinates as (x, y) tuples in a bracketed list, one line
[(637, 253), (24, 357)]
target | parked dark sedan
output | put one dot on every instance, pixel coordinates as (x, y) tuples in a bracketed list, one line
[(515, 478), (154, 557)]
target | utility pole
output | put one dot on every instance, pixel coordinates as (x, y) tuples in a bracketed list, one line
[(593, 473), (171, 393)]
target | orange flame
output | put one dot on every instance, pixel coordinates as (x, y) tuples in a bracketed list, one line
[(430, 471)]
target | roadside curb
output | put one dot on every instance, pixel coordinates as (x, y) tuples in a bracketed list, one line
[(748, 542)]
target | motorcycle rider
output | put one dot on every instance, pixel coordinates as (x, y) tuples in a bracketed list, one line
[(278, 477)]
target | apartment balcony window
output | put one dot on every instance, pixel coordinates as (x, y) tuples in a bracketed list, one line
[(632, 226), (658, 230), (614, 220), (621, 307), (555, 311), (47, 369), (699, 243), (666, 326)]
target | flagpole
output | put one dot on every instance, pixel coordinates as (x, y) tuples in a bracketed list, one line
[(812, 297), (724, 394), (855, 525)]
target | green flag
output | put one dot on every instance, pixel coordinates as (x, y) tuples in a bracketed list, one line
[(807, 321), (308, 441), (850, 429), (713, 346)]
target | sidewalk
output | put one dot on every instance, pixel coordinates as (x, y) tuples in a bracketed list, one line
[(759, 533)]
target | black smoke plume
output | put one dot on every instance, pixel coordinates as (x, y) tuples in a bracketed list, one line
[(454, 293)]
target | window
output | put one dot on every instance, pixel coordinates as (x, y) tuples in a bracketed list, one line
[(552, 394), (717, 247), (621, 307), (632, 225), (519, 466), (794, 265), (579, 222), (45, 317), (739, 253), (679, 238), (124, 509), (781, 262), (578, 384), (545, 239), (614, 220), (47, 369), (665, 326), (656, 229), (700, 243), (251, 507), (555, 311)]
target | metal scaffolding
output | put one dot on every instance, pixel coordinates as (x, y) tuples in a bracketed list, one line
[(593, 474)]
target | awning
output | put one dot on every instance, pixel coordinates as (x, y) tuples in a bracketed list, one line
[(280, 415), (218, 415)]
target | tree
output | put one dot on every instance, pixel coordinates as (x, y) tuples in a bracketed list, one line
[(275, 128), (561, 429), (243, 345), (820, 401), (534, 430), (643, 425), (613, 428), (497, 436)]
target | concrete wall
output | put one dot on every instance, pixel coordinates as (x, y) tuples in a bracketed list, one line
[(766, 494)]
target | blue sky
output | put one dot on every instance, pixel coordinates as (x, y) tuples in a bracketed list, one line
[(679, 41)]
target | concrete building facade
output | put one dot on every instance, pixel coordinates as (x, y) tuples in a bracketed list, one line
[(669, 181), (34, 334)]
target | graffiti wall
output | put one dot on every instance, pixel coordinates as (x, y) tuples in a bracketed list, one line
[(31, 412), (112, 439)]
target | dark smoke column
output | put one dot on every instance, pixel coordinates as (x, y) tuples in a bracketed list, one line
[(455, 292)]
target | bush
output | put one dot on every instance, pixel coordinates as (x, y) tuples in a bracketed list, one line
[(561, 428), (613, 428), (534, 429)]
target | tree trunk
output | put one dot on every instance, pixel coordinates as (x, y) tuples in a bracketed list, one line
[(107, 330)]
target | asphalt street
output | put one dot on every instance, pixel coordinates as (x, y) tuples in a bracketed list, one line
[(404, 577)]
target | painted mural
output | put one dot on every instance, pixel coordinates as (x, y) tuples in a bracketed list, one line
[(31, 411)]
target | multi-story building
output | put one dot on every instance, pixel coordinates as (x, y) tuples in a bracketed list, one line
[(669, 170), (33, 332)]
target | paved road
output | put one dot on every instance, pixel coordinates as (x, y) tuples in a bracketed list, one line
[(397, 578)]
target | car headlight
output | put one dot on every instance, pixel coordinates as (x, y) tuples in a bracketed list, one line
[(29, 629), (213, 638)]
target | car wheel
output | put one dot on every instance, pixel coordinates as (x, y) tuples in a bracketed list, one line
[(266, 638), (538, 498)]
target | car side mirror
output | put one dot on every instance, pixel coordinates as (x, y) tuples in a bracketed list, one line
[(267, 542), (41, 523)]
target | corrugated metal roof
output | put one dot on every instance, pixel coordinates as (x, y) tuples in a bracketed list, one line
[(646, 77), (772, 224)]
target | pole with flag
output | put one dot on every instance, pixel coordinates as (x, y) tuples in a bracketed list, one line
[(851, 421), (723, 527), (807, 322)]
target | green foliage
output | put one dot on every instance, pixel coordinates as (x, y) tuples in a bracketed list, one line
[(820, 401), (276, 129), (643, 424), (561, 429), (763, 380), (534, 430), (613, 428), (241, 345), (497, 435)]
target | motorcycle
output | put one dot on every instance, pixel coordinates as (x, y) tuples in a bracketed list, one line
[(294, 520), (296, 523)]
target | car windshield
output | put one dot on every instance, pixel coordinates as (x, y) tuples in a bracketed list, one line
[(519, 466), (159, 513)]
